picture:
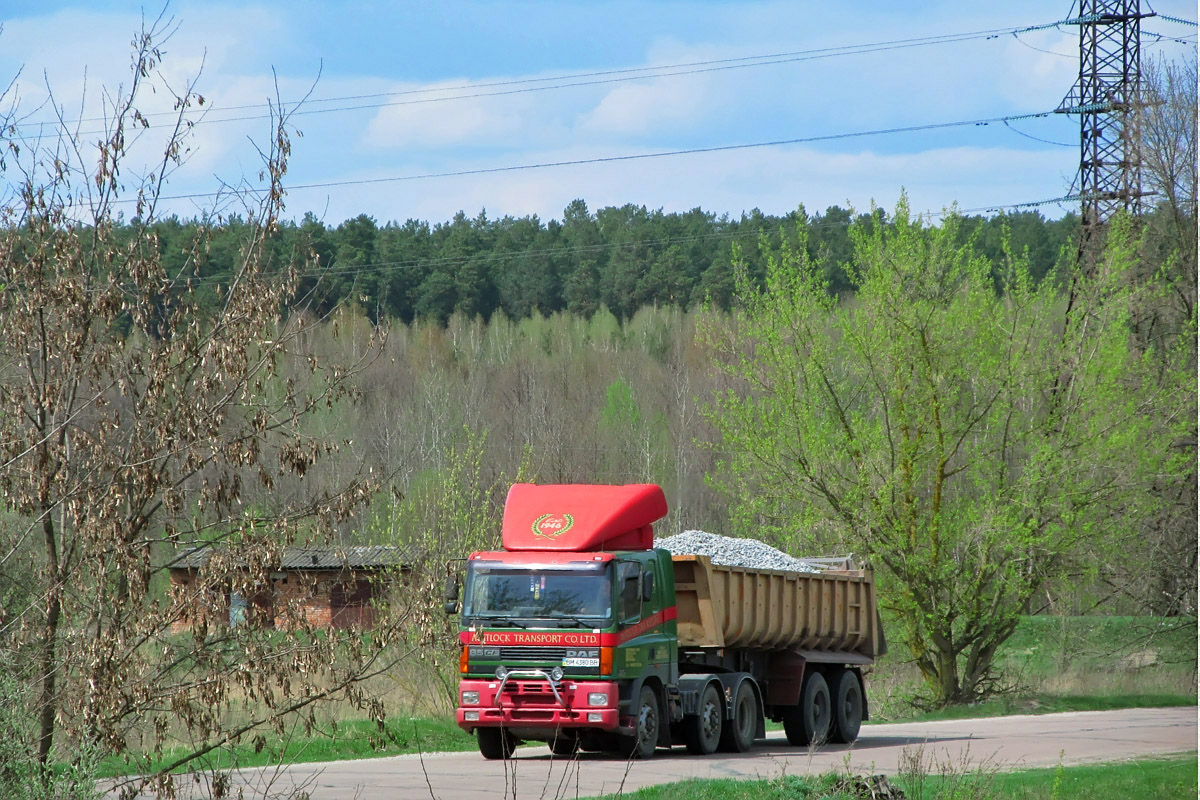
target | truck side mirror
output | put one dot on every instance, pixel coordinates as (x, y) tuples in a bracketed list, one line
[(648, 587), (450, 596)]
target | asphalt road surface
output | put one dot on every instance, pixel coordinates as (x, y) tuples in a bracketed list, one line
[(998, 743)]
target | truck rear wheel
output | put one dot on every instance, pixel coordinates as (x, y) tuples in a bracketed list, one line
[(808, 723), (643, 742), (495, 743), (847, 707), (702, 733), (738, 736)]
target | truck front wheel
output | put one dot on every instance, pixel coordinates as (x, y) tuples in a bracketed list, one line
[(808, 723), (643, 742), (495, 743), (702, 733), (564, 744)]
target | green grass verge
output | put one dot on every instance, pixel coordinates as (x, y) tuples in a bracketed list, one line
[(1045, 704), (349, 740), (1167, 779), (1163, 779)]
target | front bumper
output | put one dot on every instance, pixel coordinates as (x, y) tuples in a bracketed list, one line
[(532, 703)]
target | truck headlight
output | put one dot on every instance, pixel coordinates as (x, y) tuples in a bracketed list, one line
[(470, 716), (470, 698), (597, 698)]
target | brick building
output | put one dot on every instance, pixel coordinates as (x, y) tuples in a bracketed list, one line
[(327, 587)]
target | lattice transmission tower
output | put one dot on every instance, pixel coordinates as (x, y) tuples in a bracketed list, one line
[(1108, 97)]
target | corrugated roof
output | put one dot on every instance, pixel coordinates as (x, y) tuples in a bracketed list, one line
[(310, 558)]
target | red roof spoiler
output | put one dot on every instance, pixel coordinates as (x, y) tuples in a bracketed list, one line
[(582, 517)]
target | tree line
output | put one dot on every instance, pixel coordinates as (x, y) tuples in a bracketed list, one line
[(621, 258)]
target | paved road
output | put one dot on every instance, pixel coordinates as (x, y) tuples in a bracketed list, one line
[(999, 743)]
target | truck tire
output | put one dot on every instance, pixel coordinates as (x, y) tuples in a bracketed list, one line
[(738, 735), (847, 707), (808, 723), (564, 744), (495, 743), (702, 733), (643, 742)]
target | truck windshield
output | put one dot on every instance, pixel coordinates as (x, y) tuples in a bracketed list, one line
[(504, 592)]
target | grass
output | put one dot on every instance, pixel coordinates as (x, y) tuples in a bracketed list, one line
[(346, 740), (1163, 779), (1160, 778)]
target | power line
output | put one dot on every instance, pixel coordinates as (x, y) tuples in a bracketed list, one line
[(1036, 138), (1162, 37), (594, 78), (573, 75), (628, 157)]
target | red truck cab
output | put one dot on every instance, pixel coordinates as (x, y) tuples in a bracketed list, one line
[(561, 627)]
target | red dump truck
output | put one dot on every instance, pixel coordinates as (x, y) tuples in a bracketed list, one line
[(581, 634)]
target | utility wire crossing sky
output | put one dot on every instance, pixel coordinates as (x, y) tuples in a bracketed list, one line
[(521, 108)]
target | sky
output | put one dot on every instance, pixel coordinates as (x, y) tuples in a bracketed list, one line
[(400, 91)]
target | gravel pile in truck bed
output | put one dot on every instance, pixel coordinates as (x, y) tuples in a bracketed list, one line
[(732, 552)]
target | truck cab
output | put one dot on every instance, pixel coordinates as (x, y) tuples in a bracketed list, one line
[(562, 629)]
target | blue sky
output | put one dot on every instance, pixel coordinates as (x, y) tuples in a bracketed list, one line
[(378, 48)]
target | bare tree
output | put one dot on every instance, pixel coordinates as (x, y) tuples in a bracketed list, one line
[(1168, 131), (1161, 576), (136, 421)]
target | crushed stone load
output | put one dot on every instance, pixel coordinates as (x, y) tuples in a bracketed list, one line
[(733, 552)]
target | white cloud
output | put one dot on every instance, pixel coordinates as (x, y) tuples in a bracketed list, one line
[(645, 107), (448, 123)]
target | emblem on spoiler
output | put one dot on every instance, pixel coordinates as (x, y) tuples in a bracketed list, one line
[(552, 526)]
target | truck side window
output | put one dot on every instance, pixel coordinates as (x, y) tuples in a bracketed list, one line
[(631, 599)]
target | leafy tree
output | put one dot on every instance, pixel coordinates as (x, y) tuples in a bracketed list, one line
[(401, 249), (525, 276), (354, 276), (581, 235), (955, 435), (316, 286)]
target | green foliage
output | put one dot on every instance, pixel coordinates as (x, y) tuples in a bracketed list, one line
[(620, 409), (956, 435), (21, 775)]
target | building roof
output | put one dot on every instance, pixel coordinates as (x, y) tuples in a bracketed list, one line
[(309, 558)]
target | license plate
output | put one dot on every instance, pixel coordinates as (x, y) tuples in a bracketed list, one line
[(581, 662)]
